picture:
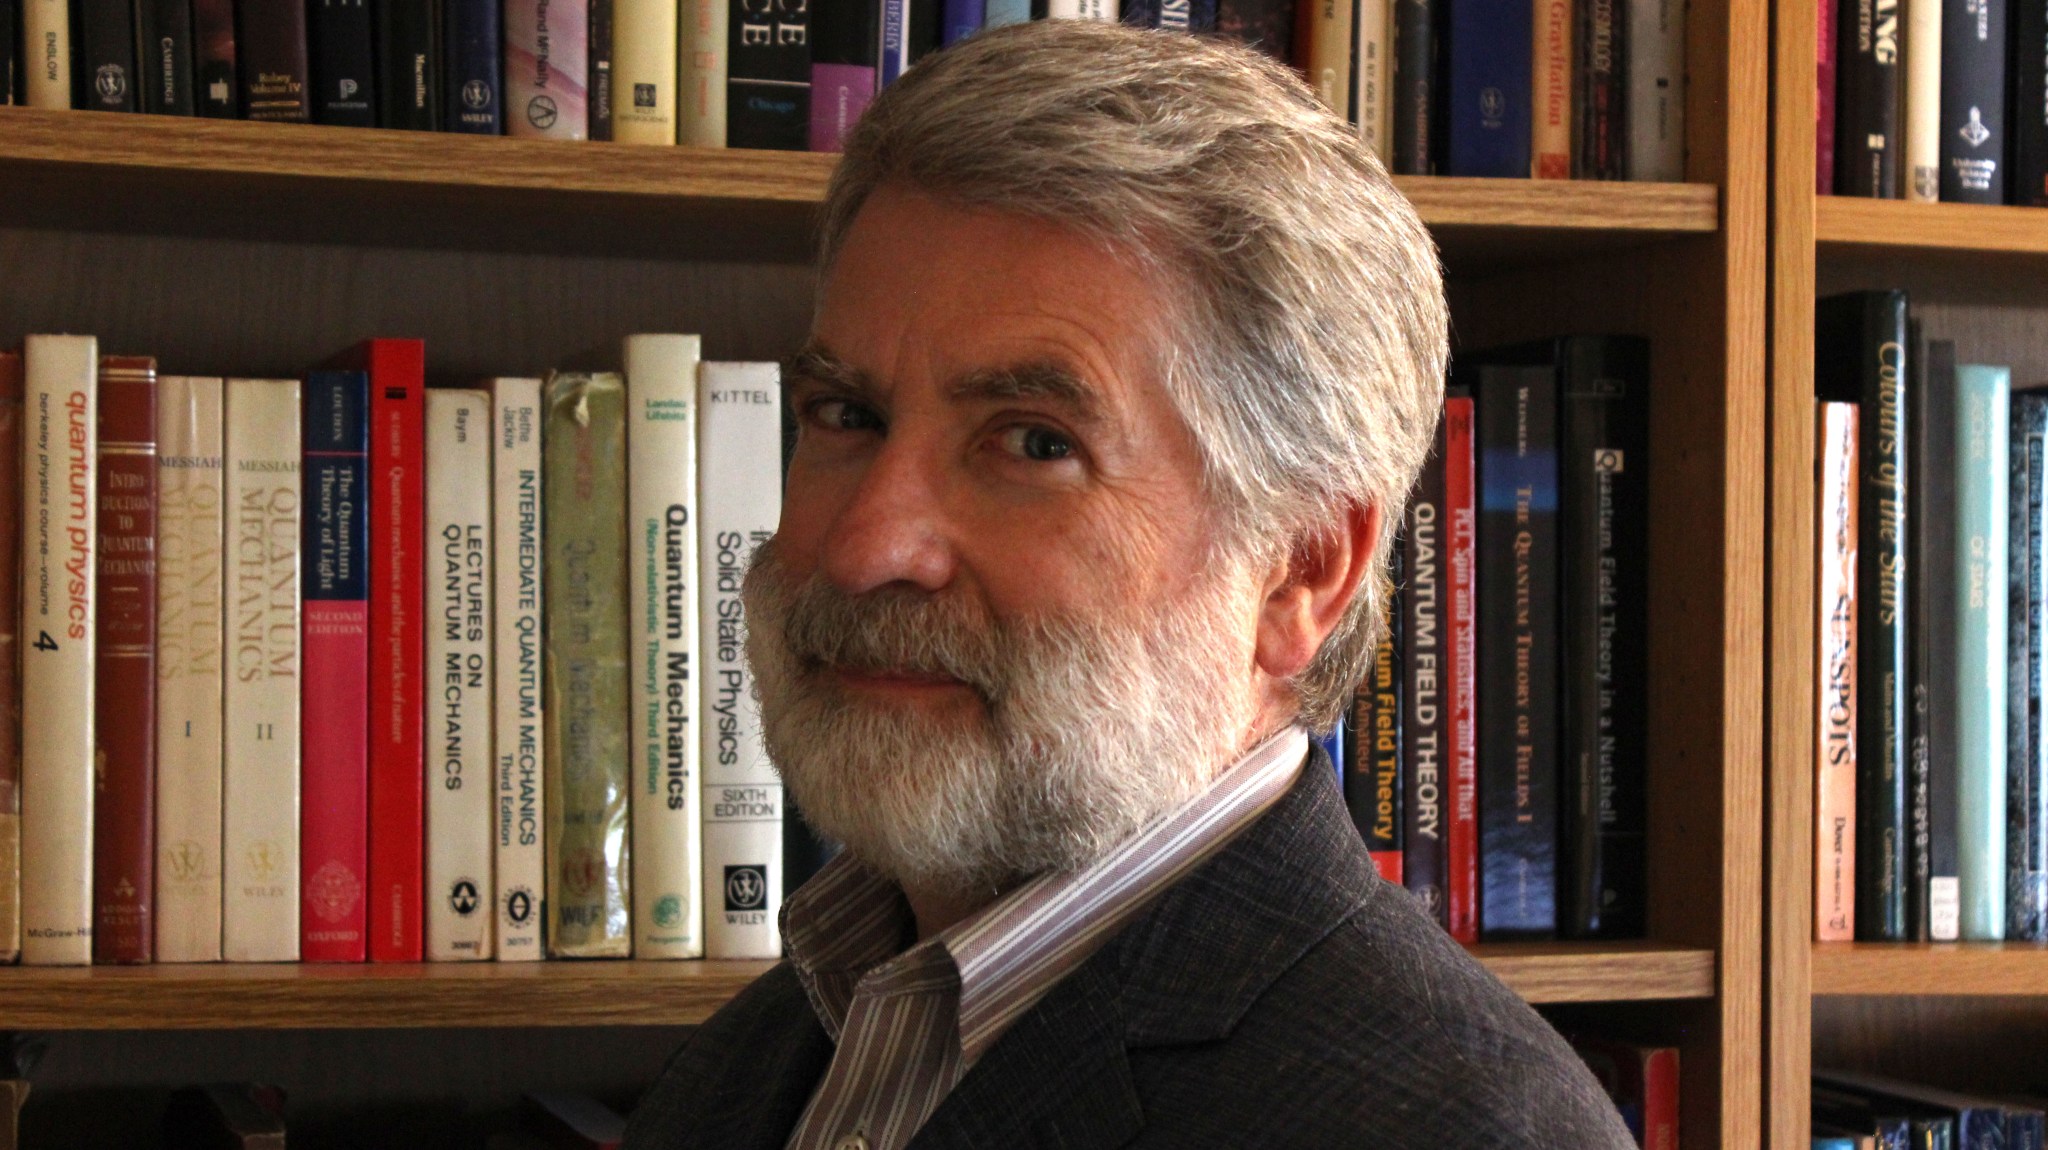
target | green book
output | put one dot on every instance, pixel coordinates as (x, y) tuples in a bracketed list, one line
[(583, 495), (1983, 416)]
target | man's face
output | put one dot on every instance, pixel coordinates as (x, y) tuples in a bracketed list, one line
[(994, 597)]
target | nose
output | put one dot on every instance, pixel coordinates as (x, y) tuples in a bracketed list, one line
[(894, 529)]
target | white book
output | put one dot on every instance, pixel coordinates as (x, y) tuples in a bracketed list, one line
[(460, 793), (46, 53), (1923, 100), (60, 449), (740, 495), (189, 683), (644, 43), (705, 24), (661, 643), (518, 836), (1082, 10), (1371, 72), (1655, 36), (260, 791)]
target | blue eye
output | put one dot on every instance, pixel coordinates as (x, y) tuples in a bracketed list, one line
[(1039, 444)]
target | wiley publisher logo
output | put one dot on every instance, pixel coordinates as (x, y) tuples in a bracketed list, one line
[(476, 95), (111, 81), (643, 95), (746, 888)]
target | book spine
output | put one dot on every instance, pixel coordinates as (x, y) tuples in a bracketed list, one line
[(960, 19), (1372, 70), (1923, 100), (1103, 10), (1518, 704), (104, 37), (460, 793), (334, 834), (271, 49), (46, 53), (10, 655), (398, 464), (1602, 51), (1973, 95), (8, 52), (844, 44), (1414, 86), (124, 693), (1461, 840), (583, 499), (260, 802), (644, 71), (2026, 896), (1603, 486), (768, 93), (1824, 98), (472, 74), (997, 13), (1867, 107), (190, 525), (1487, 45), (217, 86), (1373, 790), (57, 609), (666, 793), (1267, 25), (409, 67), (1551, 110), (165, 39), (892, 55), (1425, 629), (740, 452), (1982, 416), (2027, 158), (704, 73), (600, 86), (344, 67), (546, 67), (515, 662), (1931, 515), (1655, 114), (1834, 802), (1330, 47)]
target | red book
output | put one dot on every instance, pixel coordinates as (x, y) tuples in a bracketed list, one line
[(1642, 1081), (124, 719), (1461, 673), (334, 834), (1824, 101), (397, 482)]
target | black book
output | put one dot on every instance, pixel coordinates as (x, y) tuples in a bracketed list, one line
[(1372, 784), (270, 39), (164, 32), (473, 69), (1426, 718), (1925, 550), (2026, 152), (1867, 141), (1267, 25), (1603, 613), (2026, 767), (103, 74), (1931, 517), (218, 87), (1414, 86), (1973, 48), (1978, 1123), (768, 79), (600, 109), (8, 17), (1860, 343), (923, 27), (409, 65), (1518, 648), (344, 67), (1600, 73)]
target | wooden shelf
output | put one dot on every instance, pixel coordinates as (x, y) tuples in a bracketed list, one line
[(285, 996), (302, 182), (1856, 224), (1942, 968)]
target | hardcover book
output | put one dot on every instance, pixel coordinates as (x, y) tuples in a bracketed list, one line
[(1642, 1081), (1601, 148), (103, 34), (8, 53), (768, 93), (546, 68), (164, 33), (2026, 764), (1983, 395), (271, 52), (260, 805), (1331, 44), (666, 788), (11, 388), (217, 85), (189, 669), (2027, 138), (583, 500), (1923, 101), (409, 66), (1834, 798), (519, 855), (335, 788), (1655, 111), (1867, 106), (600, 85), (1824, 98), (124, 696), (1425, 632), (473, 75), (1372, 790), (59, 578), (844, 44), (1372, 62), (1461, 544), (1181, 15), (1487, 44), (46, 53), (1931, 514), (960, 19), (461, 791), (1973, 95), (1979, 1123), (1414, 86), (1551, 110), (1267, 25), (996, 13), (344, 70), (740, 463), (702, 73), (644, 71)]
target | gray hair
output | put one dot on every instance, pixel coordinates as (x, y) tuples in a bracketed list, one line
[(1307, 356)]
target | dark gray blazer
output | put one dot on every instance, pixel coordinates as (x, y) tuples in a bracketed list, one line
[(1282, 995)]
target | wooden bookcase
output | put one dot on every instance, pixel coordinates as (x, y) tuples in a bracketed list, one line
[(1964, 1015), (241, 248)]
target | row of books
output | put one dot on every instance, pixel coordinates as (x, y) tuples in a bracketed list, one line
[(347, 667), (1497, 752), (1933, 100), (1858, 1111), (1931, 786)]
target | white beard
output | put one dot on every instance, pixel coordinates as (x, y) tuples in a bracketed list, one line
[(1087, 728)]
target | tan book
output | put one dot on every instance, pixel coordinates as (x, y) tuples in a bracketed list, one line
[(1550, 73), (703, 54), (520, 856), (46, 53), (644, 48)]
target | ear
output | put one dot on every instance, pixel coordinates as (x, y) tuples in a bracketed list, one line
[(1307, 595)]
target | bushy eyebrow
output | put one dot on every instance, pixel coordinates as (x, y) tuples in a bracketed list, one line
[(816, 365)]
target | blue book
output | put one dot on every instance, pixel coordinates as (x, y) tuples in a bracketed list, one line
[(996, 13), (1826, 1142), (895, 55), (1983, 402), (1487, 87), (1979, 1123), (470, 39), (963, 18), (2026, 745), (1333, 745)]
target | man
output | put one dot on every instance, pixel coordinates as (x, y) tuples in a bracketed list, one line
[(1125, 356)]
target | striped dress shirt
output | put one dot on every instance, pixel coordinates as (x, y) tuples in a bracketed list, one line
[(909, 1020)]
